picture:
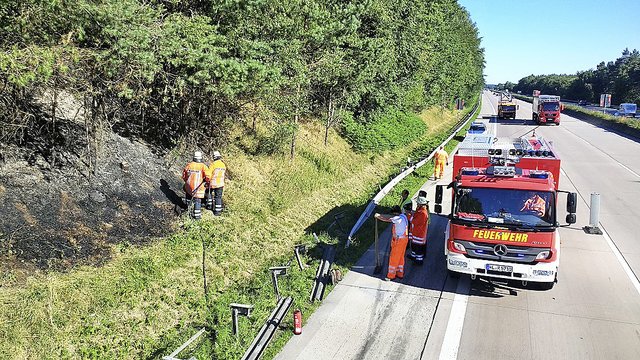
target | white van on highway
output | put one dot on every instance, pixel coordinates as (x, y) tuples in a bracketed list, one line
[(627, 109)]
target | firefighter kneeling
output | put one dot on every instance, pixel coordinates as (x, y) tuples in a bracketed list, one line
[(418, 233)]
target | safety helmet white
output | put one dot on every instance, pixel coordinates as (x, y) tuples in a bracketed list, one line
[(216, 155), (197, 156)]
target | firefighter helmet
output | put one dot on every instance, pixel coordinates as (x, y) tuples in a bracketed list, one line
[(197, 156)]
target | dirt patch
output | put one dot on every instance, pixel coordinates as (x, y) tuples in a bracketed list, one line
[(57, 217)]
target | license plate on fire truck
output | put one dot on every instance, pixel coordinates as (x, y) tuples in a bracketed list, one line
[(503, 268)]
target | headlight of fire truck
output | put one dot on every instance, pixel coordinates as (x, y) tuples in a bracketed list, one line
[(459, 247), (543, 255)]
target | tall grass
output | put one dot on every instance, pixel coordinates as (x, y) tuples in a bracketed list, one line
[(148, 300)]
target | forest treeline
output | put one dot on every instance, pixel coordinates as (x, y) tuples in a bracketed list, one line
[(173, 70), (620, 78)]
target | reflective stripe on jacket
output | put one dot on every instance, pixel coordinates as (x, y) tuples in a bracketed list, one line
[(419, 224), (194, 176), (216, 174)]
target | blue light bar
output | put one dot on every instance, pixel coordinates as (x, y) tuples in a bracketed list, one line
[(538, 174), (473, 172)]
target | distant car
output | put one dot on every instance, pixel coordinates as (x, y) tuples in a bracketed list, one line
[(477, 127), (583, 103)]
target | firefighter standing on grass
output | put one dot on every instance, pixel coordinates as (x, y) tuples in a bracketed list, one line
[(215, 178), (441, 158), (418, 235), (399, 239), (194, 175)]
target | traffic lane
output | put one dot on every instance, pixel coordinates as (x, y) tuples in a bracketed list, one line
[(487, 109), (367, 317), (509, 313), (620, 148), (592, 170), (584, 150)]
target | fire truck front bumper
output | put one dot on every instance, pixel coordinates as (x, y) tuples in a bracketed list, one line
[(540, 272)]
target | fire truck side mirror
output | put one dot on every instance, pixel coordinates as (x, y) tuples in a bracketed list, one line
[(572, 202), (438, 207), (571, 218), (561, 107), (517, 107)]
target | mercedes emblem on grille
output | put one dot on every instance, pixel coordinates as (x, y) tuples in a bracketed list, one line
[(500, 250)]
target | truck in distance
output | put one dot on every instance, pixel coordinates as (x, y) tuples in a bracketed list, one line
[(546, 108), (506, 107), (503, 221)]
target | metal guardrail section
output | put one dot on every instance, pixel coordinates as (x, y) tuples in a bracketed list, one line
[(265, 335), (385, 190), (322, 274), (173, 355)]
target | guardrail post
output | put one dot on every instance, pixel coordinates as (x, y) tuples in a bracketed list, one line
[(275, 272), (297, 250), (238, 309), (594, 214)]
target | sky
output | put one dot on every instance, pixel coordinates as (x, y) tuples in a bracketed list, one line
[(540, 37)]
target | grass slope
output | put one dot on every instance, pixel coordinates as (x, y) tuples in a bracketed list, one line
[(148, 300)]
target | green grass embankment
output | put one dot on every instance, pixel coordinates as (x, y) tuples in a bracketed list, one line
[(148, 300)]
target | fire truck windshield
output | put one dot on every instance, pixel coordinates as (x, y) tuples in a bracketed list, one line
[(550, 106), (520, 208)]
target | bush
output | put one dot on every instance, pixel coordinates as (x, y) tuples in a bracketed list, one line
[(385, 131)]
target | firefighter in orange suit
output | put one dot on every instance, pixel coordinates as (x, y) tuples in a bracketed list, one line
[(399, 239), (418, 233), (441, 158), (194, 175), (215, 179)]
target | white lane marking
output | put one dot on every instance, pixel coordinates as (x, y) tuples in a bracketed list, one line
[(621, 259), (600, 150), (451, 342), (614, 248), (495, 122), (629, 170)]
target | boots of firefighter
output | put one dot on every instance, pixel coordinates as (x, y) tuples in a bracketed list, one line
[(217, 210), (197, 210), (209, 196)]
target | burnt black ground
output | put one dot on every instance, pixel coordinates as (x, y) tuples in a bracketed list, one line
[(56, 217)]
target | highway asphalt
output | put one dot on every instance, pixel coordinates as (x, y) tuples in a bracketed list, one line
[(593, 312)]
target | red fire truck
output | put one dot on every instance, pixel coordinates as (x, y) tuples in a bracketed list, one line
[(546, 108), (503, 222)]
